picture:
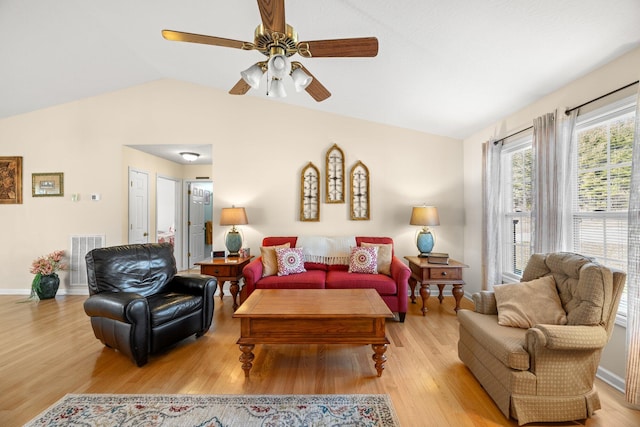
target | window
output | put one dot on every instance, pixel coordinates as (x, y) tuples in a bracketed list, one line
[(604, 144), (516, 224)]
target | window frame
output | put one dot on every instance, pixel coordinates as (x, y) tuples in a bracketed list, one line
[(613, 111), (507, 247)]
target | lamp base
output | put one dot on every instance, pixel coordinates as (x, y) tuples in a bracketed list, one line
[(424, 254), (233, 242)]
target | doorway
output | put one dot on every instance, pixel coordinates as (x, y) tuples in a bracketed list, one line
[(198, 222), (169, 214)]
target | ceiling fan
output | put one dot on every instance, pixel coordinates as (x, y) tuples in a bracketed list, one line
[(277, 40)]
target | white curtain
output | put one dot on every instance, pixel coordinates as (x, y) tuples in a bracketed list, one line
[(491, 214), (551, 183), (632, 380)]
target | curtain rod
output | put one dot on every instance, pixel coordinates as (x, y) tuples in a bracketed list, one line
[(569, 110), (497, 141)]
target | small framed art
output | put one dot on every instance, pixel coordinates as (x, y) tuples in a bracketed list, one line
[(49, 184)]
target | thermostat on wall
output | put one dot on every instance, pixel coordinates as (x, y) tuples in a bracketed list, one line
[(95, 197)]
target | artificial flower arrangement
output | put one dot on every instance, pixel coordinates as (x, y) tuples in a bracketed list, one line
[(46, 266)]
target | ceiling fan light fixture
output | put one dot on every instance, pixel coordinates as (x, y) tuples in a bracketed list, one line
[(276, 89), (279, 66), (252, 75), (189, 157), (300, 79)]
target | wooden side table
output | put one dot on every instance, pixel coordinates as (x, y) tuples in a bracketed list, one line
[(226, 269), (427, 274)]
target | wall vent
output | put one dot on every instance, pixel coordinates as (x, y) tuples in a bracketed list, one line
[(80, 246)]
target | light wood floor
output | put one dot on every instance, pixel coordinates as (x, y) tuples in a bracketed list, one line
[(48, 349)]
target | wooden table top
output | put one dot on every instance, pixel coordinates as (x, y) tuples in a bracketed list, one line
[(424, 262), (314, 303), (223, 261)]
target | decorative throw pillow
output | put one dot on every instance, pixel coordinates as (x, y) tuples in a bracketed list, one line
[(525, 304), (363, 260), (290, 261), (384, 256), (269, 260)]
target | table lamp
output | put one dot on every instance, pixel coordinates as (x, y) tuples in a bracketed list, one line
[(233, 240), (425, 216)]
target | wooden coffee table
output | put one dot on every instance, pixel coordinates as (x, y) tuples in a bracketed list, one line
[(313, 316)]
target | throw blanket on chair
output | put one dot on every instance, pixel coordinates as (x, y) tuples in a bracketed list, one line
[(326, 250)]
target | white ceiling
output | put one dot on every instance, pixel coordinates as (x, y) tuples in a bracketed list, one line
[(446, 67)]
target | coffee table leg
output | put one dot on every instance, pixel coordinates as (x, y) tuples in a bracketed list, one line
[(424, 294), (379, 357), (246, 358)]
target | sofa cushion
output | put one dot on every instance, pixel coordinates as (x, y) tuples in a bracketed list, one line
[(525, 304), (504, 343), (384, 256), (385, 285), (290, 261), (269, 259), (312, 279), (363, 260)]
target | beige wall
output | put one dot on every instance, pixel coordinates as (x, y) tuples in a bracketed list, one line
[(618, 73), (259, 149)]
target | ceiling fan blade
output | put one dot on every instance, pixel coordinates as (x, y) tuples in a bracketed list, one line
[(357, 47), (315, 88), (272, 13), (240, 88), (179, 36)]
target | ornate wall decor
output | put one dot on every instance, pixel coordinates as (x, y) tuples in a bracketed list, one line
[(310, 193), (360, 205), (334, 169), (11, 180)]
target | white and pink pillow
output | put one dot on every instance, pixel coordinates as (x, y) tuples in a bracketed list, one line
[(363, 260), (290, 261)]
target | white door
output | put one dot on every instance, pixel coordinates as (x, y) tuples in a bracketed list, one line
[(138, 206), (196, 225)]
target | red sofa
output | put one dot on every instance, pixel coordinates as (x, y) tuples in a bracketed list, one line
[(393, 289)]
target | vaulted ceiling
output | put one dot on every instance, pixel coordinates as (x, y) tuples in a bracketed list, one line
[(447, 67)]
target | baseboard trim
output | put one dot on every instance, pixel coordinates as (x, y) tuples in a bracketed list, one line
[(610, 378)]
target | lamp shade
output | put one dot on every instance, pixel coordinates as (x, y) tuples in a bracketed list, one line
[(233, 216), (424, 216), (252, 75), (300, 79)]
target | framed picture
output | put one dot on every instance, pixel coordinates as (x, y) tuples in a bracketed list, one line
[(334, 169), (360, 207), (49, 184), (310, 193), (11, 180)]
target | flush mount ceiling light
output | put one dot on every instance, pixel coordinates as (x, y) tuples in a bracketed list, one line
[(189, 157), (277, 40)]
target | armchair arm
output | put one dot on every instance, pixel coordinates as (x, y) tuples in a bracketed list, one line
[(128, 307), (566, 337), (485, 302), (194, 284)]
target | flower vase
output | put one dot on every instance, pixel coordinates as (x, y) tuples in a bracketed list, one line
[(49, 285)]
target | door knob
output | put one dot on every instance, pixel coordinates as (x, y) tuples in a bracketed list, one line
[(145, 234)]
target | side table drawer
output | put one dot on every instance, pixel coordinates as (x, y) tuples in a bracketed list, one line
[(446, 273), (218, 270)]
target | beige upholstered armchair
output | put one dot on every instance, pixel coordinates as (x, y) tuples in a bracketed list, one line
[(545, 372)]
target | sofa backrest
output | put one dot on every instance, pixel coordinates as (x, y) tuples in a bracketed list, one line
[(144, 268), (292, 240), (590, 292)]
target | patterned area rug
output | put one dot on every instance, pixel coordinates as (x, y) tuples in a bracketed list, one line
[(353, 410)]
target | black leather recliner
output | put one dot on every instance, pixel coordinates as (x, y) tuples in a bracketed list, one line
[(139, 305)]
